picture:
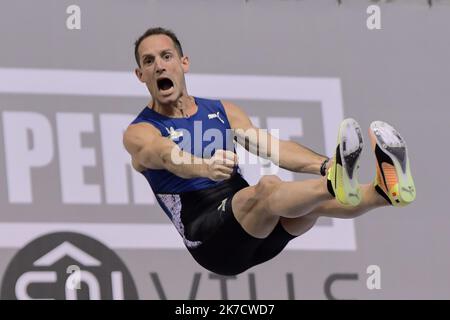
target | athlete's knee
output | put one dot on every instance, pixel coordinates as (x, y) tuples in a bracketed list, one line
[(265, 188), (267, 184), (255, 200)]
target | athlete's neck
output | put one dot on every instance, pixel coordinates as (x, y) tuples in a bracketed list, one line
[(183, 107)]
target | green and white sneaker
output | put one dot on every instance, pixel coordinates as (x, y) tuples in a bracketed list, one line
[(343, 174)]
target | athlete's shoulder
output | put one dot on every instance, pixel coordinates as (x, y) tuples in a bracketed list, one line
[(142, 115), (237, 117), (233, 109)]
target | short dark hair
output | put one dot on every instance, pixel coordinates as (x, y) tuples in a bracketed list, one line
[(156, 31)]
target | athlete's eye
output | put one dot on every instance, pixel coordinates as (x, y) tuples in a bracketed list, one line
[(167, 56), (148, 60)]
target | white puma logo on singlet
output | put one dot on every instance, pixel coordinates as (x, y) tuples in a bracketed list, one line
[(215, 116)]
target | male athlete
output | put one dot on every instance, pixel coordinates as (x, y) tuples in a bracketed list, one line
[(227, 225)]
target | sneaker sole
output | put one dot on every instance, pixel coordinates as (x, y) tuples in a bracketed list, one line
[(394, 146), (350, 147)]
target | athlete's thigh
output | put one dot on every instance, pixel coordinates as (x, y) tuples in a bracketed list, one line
[(248, 209), (298, 226)]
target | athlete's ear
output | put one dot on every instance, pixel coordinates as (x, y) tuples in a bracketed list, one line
[(185, 63), (138, 74)]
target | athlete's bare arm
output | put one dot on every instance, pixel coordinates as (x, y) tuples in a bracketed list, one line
[(149, 149), (284, 153)]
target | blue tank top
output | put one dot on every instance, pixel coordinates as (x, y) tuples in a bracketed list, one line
[(200, 134)]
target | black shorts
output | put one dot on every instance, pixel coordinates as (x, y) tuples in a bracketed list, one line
[(226, 248)]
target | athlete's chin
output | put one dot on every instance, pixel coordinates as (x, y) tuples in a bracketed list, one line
[(165, 99)]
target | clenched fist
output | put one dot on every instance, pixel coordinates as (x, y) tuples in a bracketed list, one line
[(221, 165)]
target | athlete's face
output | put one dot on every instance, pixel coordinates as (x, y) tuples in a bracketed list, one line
[(162, 69)]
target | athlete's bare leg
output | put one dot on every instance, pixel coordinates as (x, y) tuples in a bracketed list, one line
[(333, 209), (259, 208)]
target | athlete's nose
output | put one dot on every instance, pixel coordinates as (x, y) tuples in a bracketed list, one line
[(159, 64)]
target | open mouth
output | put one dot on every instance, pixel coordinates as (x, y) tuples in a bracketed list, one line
[(164, 84)]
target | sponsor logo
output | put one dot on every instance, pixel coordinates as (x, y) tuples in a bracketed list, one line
[(67, 266), (215, 116)]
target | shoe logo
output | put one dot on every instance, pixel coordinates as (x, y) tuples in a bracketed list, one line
[(355, 195), (174, 134), (410, 190), (215, 116), (222, 205)]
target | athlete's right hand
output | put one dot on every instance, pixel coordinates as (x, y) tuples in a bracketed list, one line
[(221, 165)]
